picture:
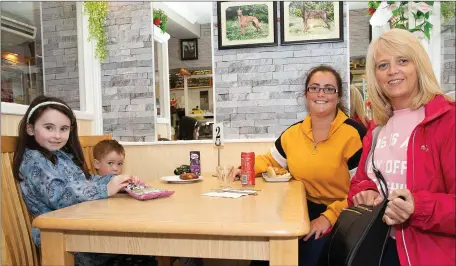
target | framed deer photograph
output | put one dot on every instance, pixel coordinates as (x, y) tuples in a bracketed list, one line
[(311, 22), (246, 24)]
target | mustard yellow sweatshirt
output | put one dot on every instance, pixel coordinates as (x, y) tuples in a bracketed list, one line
[(325, 168)]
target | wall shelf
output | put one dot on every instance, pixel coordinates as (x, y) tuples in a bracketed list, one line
[(191, 88)]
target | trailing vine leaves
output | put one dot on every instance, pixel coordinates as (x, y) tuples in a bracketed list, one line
[(447, 11), (97, 12)]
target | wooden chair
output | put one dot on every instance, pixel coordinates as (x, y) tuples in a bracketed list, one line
[(88, 143), (17, 245)]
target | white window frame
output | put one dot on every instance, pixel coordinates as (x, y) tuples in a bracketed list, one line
[(89, 77), (163, 65)]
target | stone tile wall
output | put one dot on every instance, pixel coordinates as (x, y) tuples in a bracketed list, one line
[(259, 91), (60, 42)]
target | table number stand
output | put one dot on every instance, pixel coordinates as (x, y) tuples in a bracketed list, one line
[(218, 140)]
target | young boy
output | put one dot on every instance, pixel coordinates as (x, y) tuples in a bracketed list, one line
[(109, 156)]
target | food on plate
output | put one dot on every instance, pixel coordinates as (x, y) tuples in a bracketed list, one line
[(182, 169), (188, 176), (277, 172)]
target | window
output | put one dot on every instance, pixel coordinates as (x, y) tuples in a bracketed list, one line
[(161, 77), (21, 52), (45, 50)]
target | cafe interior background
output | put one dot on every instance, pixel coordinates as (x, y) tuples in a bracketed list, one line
[(161, 64)]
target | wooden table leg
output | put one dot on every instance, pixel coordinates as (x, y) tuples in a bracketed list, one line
[(53, 250), (283, 251)]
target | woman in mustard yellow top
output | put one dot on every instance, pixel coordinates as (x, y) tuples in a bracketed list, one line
[(322, 151)]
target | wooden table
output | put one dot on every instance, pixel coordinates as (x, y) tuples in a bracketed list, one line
[(262, 227)]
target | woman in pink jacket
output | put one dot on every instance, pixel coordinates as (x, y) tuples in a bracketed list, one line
[(415, 152)]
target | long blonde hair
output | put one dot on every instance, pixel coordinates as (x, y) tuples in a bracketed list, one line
[(400, 43), (357, 105)]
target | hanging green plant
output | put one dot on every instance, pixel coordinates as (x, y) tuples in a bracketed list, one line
[(447, 11), (98, 13), (160, 19)]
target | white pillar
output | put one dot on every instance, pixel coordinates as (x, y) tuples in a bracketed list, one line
[(89, 72), (377, 31)]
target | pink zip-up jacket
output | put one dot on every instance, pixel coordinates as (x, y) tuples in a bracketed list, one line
[(428, 236)]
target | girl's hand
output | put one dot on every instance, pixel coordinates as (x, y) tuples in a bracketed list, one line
[(117, 183), (367, 197), (318, 227), (399, 210), (135, 180)]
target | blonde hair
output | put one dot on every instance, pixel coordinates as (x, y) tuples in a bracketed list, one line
[(357, 105), (400, 43)]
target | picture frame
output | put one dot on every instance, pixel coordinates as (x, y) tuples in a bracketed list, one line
[(304, 22), (370, 33), (246, 24), (189, 49), (198, 83)]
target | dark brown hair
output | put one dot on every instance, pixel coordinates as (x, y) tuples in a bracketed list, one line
[(326, 68), (106, 146), (26, 141)]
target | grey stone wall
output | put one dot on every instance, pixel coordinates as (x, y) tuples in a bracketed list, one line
[(204, 51), (259, 90), (60, 45), (359, 33), (448, 68), (126, 74)]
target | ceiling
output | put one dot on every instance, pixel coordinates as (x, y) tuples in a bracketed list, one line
[(25, 12), (21, 11), (193, 13)]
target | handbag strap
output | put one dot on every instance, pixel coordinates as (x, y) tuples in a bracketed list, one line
[(377, 172)]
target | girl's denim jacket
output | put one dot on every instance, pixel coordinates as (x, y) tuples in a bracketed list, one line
[(47, 187)]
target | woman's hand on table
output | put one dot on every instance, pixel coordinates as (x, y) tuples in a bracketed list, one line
[(237, 173), (318, 227)]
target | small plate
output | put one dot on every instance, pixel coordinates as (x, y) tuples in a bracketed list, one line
[(176, 179), (276, 179)]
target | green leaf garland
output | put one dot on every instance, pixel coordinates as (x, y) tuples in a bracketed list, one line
[(98, 13)]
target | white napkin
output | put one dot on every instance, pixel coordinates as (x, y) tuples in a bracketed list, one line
[(224, 194)]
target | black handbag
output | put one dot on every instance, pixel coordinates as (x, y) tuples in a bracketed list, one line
[(359, 235)]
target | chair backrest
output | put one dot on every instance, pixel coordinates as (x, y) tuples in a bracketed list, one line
[(17, 245), (88, 143), (187, 127)]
